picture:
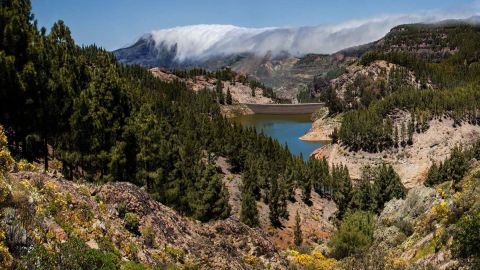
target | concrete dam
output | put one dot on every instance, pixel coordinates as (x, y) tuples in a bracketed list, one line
[(300, 108)]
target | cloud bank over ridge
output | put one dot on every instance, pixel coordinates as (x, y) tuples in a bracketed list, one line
[(202, 41)]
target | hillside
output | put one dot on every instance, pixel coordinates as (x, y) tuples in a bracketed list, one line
[(241, 91), (290, 76), (117, 225), (412, 162), (428, 229), (390, 105)]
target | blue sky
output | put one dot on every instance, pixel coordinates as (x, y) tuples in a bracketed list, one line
[(116, 23)]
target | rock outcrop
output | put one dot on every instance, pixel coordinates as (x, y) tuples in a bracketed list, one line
[(61, 209), (241, 93)]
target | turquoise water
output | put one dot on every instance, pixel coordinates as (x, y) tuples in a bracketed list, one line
[(287, 129)]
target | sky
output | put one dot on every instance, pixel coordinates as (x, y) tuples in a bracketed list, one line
[(113, 24)]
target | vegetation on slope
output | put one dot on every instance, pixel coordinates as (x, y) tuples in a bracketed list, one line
[(454, 76), (108, 122)]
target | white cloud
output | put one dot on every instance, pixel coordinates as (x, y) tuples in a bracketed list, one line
[(200, 41)]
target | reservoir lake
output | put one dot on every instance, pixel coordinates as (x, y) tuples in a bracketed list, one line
[(287, 129)]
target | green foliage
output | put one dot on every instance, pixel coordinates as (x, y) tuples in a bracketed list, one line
[(228, 97), (388, 186), (377, 186), (334, 136), (6, 161), (226, 74), (73, 254), (466, 237), (132, 222), (335, 73), (454, 75), (109, 122), (297, 231), (371, 130), (148, 236), (454, 167), (405, 227), (219, 92), (305, 96), (249, 211), (343, 192), (212, 202), (364, 196), (132, 266), (354, 236), (122, 210), (277, 204)]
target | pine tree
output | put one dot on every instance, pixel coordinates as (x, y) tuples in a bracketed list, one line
[(219, 92), (274, 202), (305, 180), (210, 198), (364, 197), (343, 192), (334, 135), (229, 100), (297, 231), (403, 132), (282, 199), (432, 176), (289, 179), (411, 130), (395, 137), (387, 186), (249, 211)]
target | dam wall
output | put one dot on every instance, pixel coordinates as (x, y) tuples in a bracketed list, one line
[(301, 108)]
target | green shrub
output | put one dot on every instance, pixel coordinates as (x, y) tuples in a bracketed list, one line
[(354, 236), (466, 237), (132, 266), (132, 223), (73, 254), (405, 227), (106, 244), (148, 236), (122, 210)]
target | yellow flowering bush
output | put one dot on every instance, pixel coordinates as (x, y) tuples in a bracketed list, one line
[(315, 260), (25, 166), (252, 260), (56, 165), (5, 192), (177, 254), (396, 263), (102, 206), (130, 250), (6, 258), (25, 184), (441, 211), (57, 204), (6, 160)]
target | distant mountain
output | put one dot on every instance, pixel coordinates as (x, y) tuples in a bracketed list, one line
[(196, 45), (287, 59), (146, 53)]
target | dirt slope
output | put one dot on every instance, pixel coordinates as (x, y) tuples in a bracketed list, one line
[(411, 163)]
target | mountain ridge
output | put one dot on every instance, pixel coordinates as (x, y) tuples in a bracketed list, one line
[(192, 46)]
